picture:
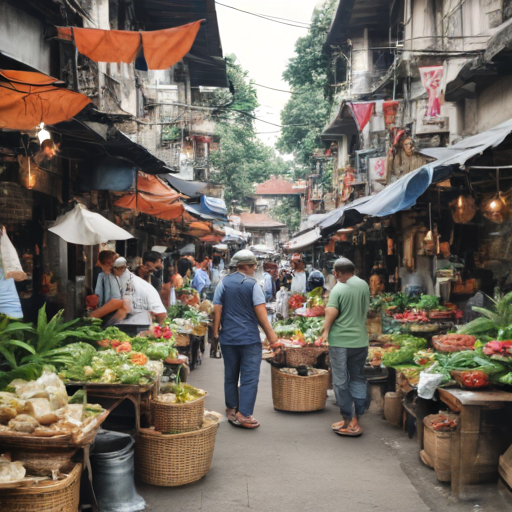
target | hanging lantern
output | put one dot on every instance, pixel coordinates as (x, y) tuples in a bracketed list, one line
[(495, 209), (463, 209)]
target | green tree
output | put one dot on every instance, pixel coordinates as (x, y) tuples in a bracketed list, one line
[(309, 74), (288, 212), (241, 159)]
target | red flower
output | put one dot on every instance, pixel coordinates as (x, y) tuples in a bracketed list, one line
[(167, 333), (157, 331)]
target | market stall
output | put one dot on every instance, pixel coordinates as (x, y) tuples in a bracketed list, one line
[(60, 381)]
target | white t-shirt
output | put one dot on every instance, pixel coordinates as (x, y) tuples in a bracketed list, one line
[(299, 282), (330, 282), (145, 297)]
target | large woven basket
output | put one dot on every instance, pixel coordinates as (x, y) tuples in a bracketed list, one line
[(60, 496), (438, 447), (174, 459), (182, 340), (303, 356), (177, 418), (299, 394)]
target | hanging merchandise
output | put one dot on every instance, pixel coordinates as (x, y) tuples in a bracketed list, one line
[(431, 79), (390, 109), (162, 48), (463, 209)]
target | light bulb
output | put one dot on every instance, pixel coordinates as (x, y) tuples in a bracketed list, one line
[(460, 203), (43, 134), (494, 204)]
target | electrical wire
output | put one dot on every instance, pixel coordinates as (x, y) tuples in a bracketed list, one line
[(274, 89), (265, 17)]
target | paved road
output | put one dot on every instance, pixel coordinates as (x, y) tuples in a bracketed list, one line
[(294, 463)]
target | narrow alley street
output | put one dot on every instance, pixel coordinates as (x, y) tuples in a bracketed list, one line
[(293, 463)]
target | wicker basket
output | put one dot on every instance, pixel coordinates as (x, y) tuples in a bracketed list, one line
[(61, 496), (174, 459), (303, 356), (182, 340), (177, 418), (438, 447), (299, 394)]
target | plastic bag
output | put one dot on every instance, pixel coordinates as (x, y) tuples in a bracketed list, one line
[(10, 304), (11, 471), (172, 299), (10, 260), (428, 384), (40, 409)]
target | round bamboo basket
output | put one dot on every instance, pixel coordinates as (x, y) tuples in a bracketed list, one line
[(299, 394), (393, 408), (177, 418), (61, 496), (303, 356), (175, 459)]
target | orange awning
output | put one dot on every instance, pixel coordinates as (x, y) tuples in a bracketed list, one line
[(151, 205), (212, 239), (28, 99), (155, 186), (162, 48)]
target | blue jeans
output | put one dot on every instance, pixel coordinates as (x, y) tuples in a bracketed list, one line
[(349, 383), (241, 362)]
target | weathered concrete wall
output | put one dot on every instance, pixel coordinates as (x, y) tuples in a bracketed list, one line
[(21, 37), (494, 106)]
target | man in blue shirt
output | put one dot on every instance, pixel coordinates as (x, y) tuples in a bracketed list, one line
[(239, 307), (201, 278)]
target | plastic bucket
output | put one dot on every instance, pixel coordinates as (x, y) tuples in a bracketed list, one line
[(112, 462)]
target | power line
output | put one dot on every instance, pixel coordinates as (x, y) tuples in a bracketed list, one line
[(265, 17), (274, 89)]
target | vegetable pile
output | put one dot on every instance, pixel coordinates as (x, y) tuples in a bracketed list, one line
[(180, 393), (296, 301)]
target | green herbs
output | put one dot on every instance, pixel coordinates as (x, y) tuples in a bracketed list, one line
[(427, 303)]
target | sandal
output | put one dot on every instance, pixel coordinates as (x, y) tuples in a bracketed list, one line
[(243, 422), (350, 431), (336, 427)]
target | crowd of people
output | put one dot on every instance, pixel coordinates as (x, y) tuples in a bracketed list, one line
[(240, 309)]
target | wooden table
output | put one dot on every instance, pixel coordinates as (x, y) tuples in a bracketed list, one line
[(111, 396), (481, 437)]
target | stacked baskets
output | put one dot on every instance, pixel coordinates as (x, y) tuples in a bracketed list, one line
[(180, 448)]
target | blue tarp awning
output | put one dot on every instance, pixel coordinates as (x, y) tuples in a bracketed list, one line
[(188, 188), (404, 193), (209, 208)]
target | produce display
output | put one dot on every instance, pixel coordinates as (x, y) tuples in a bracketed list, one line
[(296, 301), (10, 471), (180, 393), (43, 408), (453, 342)]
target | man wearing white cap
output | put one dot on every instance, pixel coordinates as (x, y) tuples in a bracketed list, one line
[(239, 307), (145, 297)]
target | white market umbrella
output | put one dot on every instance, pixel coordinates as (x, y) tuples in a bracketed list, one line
[(82, 227)]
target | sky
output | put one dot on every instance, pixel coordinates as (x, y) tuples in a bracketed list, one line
[(263, 48)]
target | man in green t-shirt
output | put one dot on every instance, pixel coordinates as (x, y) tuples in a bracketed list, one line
[(345, 328)]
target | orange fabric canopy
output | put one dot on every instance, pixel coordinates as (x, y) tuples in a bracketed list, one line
[(155, 186), (212, 239), (28, 99), (162, 48), (151, 205)]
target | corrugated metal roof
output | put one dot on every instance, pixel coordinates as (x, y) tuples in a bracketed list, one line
[(278, 187)]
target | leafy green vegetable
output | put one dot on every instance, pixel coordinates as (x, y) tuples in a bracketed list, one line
[(427, 303), (404, 355), (113, 333)]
